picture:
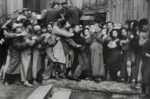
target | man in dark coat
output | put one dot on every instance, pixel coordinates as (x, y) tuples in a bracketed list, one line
[(3, 48), (53, 13), (72, 14)]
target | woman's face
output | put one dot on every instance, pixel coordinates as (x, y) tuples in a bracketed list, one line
[(124, 33), (115, 34), (145, 28)]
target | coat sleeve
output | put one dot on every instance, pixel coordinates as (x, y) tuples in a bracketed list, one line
[(71, 42), (61, 32), (19, 43), (100, 38)]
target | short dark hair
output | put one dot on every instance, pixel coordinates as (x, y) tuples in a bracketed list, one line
[(26, 23), (110, 22), (143, 22), (111, 33), (61, 22)]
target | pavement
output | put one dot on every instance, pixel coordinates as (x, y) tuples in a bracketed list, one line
[(66, 89), (105, 86), (15, 91)]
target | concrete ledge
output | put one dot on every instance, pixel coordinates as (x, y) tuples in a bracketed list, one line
[(40, 92), (106, 86)]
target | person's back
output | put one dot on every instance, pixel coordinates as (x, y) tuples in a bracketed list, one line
[(73, 15), (52, 15)]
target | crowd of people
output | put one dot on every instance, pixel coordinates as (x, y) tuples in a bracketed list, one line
[(56, 39)]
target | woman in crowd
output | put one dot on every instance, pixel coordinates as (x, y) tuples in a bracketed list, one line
[(115, 52), (124, 43), (145, 43)]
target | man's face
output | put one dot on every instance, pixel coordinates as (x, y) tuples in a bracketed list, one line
[(77, 28), (19, 29), (110, 26), (26, 12), (49, 28), (92, 28), (124, 33), (69, 4), (115, 34), (67, 24), (30, 27), (56, 6)]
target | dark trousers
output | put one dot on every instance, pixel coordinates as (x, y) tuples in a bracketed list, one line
[(42, 69), (135, 66)]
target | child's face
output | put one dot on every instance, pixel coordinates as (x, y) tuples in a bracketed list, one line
[(124, 33), (115, 34)]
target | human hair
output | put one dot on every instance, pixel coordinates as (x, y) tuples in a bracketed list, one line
[(110, 22), (111, 33), (26, 23), (84, 30), (143, 22), (61, 23), (120, 32)]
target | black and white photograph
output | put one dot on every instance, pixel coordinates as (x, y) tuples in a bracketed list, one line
[(74, 49)]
